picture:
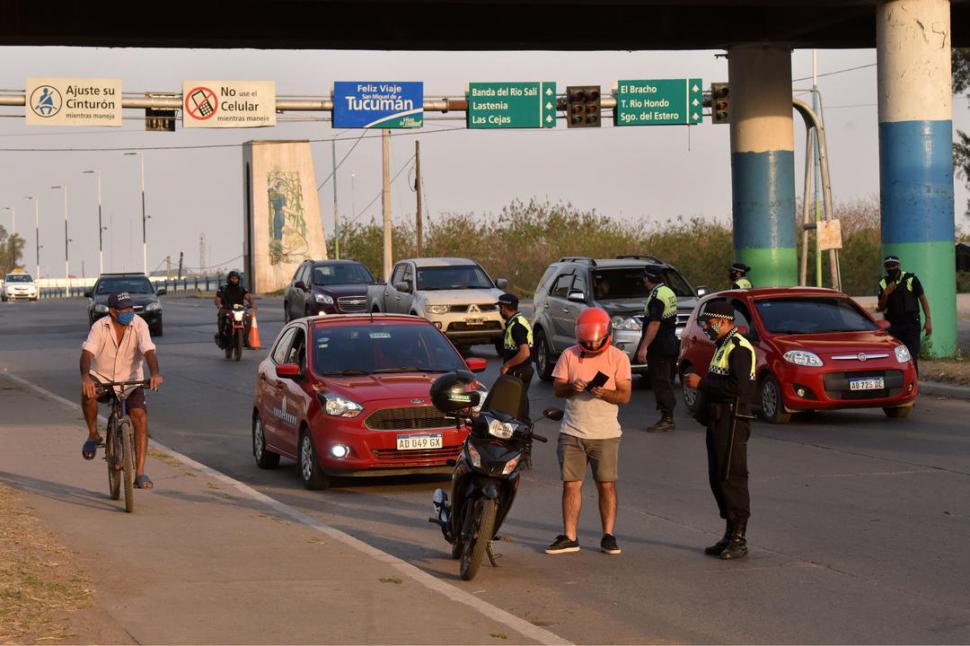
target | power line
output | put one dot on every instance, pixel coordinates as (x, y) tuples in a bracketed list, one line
[(342, 160), (842, 71), (378, 196)]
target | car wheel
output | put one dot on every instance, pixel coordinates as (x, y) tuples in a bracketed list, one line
[(897, 412), (157, 330), (265, 459), (772, 406), (690, 395), (544, 365), (311, 474)]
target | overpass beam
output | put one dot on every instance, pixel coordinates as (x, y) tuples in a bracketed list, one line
[(915, 152), (763, 163)]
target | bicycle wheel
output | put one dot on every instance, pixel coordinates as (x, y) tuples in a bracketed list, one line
[(111, 452), (128, 462)]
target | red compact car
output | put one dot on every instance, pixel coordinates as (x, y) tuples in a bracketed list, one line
[(817, 349), (348, 396)]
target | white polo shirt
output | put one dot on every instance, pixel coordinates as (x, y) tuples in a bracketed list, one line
[(114, 361)]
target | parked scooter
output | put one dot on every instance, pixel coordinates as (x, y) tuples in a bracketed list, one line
[(486, 476)]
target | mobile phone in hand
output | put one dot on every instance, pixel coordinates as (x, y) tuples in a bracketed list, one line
[(597, 381)]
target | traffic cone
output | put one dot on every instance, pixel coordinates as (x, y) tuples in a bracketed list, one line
[(254, 335)]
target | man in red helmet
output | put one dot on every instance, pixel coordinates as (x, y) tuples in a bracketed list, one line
[(594, 378)]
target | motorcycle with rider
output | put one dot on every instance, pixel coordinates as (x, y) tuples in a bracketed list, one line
[(233, 302)]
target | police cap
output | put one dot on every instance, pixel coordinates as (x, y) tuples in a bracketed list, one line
[(509, 299), (888, 261), (740, 267), (718, 309), (653, 273)]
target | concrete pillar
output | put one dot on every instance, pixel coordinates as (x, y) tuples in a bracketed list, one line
[(763, 163), (915, 152)]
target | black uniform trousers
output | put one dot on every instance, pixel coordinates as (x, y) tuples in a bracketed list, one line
[(909, 334), (661, 356), (733, 501)]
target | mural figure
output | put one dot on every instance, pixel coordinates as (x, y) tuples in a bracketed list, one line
[(287, 224)]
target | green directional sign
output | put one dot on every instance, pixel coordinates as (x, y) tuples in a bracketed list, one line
[(512, 105), (663, 102)]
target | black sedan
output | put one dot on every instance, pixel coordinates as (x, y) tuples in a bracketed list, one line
[(143, 294)]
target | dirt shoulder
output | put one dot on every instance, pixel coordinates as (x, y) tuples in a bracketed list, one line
[(949, 371)]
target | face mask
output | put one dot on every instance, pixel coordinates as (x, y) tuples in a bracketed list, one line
[(893, 273), (125, 318), (712, 332)]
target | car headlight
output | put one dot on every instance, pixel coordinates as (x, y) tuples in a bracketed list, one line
[(324, 299), (153, 307), (101, 309), (902, 354), (474, 456), (438, 309), (803, 358), (631, 324), (338, 406)]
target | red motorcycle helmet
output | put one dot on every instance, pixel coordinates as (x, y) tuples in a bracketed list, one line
[(594, 330)]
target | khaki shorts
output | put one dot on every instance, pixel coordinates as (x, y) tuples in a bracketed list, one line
[(576, 453)]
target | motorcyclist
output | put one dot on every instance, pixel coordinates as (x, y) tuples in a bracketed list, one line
[(230, 294)]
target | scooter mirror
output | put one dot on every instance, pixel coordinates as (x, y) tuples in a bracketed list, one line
[(555, 414)]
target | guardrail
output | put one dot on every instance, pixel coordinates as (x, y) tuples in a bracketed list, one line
[(203, 283)]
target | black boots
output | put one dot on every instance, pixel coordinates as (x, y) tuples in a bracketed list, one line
[(737, 547), (718, 547), (665, 425)]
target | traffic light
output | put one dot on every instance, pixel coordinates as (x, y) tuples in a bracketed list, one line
[(720, 103), (583, 106)]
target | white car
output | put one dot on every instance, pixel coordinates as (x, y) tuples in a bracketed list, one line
[(18, 286)]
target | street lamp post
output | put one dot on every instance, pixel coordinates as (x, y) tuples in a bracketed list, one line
[(97, 173), (144, 218), (67, 240), (36, 201)]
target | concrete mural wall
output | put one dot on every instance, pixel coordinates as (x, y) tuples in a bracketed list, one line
[(283, 225)]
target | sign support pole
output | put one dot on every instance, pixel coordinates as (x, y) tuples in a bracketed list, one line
[(386, 202), (336, 225), (419, 216)]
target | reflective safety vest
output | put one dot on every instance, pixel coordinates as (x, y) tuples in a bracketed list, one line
[(910, 304), (509, 343), (667, 297), (721, 361), (743, 283)]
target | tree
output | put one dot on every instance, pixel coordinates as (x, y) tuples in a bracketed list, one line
[(961, 147), (11, 251)]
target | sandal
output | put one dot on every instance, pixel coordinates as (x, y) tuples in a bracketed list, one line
[(90, 449), (144, 482)]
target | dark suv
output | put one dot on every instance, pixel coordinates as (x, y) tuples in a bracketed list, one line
[(143, 294), (572, 284), (327, 287)]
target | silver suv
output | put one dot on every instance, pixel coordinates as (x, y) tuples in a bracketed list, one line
[(572, 284)]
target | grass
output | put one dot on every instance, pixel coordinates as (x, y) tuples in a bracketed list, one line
[(38, 581)]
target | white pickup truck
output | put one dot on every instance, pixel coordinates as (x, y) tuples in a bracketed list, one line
[(455, 294)]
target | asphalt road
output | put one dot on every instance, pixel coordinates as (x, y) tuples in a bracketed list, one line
[(859, 531)]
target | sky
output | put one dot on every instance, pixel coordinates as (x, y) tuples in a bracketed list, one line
[(647, 174)]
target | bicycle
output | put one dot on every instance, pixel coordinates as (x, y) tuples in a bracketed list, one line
[(119, 441)]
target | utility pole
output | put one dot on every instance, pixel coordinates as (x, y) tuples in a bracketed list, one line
[(181, 256), (333, 180), (67, 240), (388, 224), (36, 200), (97, 173), (168, 267), (144, 217), (419, 219)]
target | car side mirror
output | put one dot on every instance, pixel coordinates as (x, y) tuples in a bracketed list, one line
[(883, 324), (300, 285), (288, 371), (476, 364), (403, 287), (89, 294), (555, 414), (161, 291), (701, 290), (501, 283), (576, 297)]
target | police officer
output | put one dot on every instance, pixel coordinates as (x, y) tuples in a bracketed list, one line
[(658, 345), (517, 342), (724, 395), (898, 295), (737, 274)]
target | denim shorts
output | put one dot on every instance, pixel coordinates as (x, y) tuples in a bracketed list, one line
[(576, 453)]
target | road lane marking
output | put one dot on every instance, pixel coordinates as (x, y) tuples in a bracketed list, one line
[(523, 627)]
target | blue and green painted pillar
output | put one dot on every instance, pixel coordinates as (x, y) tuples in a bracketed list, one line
[(915, 152), (763, 163)]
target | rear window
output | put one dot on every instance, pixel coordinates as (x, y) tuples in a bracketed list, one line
[(611, 284), (812, 316), (349, 274), (130, 284), (373, 348)]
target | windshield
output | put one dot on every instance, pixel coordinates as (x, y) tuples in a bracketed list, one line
[(19, 278), (349, 274), (615, 284), (457, 277), (812, 316), (372, 348), (130, 284)]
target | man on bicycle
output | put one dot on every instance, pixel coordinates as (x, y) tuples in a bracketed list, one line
[(232, 293), (114, 351)]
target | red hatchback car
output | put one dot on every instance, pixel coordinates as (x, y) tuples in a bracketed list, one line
[(817, 349), (347, 395)]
